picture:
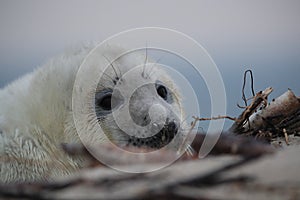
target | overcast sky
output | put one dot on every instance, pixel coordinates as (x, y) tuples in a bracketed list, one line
[(263, 35)]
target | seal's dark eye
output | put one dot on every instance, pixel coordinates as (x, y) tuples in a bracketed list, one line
[(105, 102), (162, 92)]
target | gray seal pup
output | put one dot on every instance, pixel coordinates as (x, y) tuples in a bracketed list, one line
[(36, 114)]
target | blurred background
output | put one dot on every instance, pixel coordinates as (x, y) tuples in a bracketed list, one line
[(262, 35)]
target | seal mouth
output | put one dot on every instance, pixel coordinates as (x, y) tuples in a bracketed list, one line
[(159, 140)]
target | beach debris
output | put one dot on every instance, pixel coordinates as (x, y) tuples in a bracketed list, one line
[(264, 119), (277, 118)]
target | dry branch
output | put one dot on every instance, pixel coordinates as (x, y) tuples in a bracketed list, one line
[(268, 120), (259, 100)]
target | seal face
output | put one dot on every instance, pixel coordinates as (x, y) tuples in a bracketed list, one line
[(153, 104)]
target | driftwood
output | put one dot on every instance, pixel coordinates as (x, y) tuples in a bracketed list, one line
[(227, 177), (259, 101), (226, 144), (266, 120), (104, 183), (234, 145), (278, 118)]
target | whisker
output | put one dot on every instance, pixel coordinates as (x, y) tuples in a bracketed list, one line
[(112, 79), (145, 62), (153, 66), (114, 69), (190, 151)]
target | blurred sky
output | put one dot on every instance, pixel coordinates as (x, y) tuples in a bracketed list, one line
[(263, 35)]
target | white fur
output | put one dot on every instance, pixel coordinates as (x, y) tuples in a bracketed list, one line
[(36, 117), (33, 111)]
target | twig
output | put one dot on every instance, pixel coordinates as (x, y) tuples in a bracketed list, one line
[(286, 137), (259, 99), (214, 118)]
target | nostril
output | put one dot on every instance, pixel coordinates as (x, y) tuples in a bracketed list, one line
[(144, 121)]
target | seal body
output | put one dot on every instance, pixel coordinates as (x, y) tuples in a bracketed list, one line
[(36, 114)]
